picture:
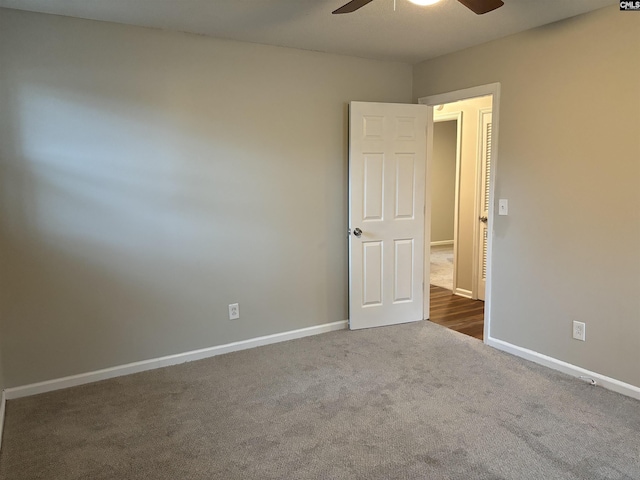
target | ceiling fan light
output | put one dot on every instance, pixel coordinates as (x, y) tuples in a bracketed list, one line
[(424, 3)]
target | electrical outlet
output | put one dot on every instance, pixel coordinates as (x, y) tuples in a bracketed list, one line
[(234, 311), (579, 330)]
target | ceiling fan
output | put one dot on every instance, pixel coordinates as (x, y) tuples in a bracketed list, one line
[(477, 6)]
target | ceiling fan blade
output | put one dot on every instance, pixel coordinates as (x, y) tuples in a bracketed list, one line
[(352, 6), (482, 6)]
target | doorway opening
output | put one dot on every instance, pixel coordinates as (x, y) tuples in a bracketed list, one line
[(462, 132), (445, 180)]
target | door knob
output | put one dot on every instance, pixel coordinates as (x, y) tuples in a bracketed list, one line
[(357, 232), (483, 219)]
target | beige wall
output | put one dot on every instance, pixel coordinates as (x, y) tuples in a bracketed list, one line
[(569, 248), (1, 373), (149, 179), (443, 180), (467, 217)]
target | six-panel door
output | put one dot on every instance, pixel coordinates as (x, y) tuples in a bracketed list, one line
[(387, 161)]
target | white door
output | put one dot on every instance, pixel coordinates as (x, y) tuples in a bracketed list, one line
[(485, 155), (387, 161)]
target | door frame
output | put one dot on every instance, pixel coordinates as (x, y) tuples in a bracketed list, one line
[(455, 96)]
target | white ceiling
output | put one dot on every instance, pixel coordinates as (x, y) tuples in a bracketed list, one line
[(410, 34)]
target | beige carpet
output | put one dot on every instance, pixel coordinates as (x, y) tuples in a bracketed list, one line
[(413, 401), (442, 266)]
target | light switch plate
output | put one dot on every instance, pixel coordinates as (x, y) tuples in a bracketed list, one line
[(503, 206)]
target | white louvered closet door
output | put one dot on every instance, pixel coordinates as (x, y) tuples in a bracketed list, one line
[(484, 201)]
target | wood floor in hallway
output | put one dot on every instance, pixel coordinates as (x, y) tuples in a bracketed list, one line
[(457, 313)]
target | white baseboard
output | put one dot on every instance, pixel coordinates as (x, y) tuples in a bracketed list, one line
[(461, 292), (3, 403), (564, 367), (441, 242), (136, 367)]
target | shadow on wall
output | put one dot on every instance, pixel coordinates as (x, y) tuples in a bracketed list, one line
[(106, 242), (125, 227)]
